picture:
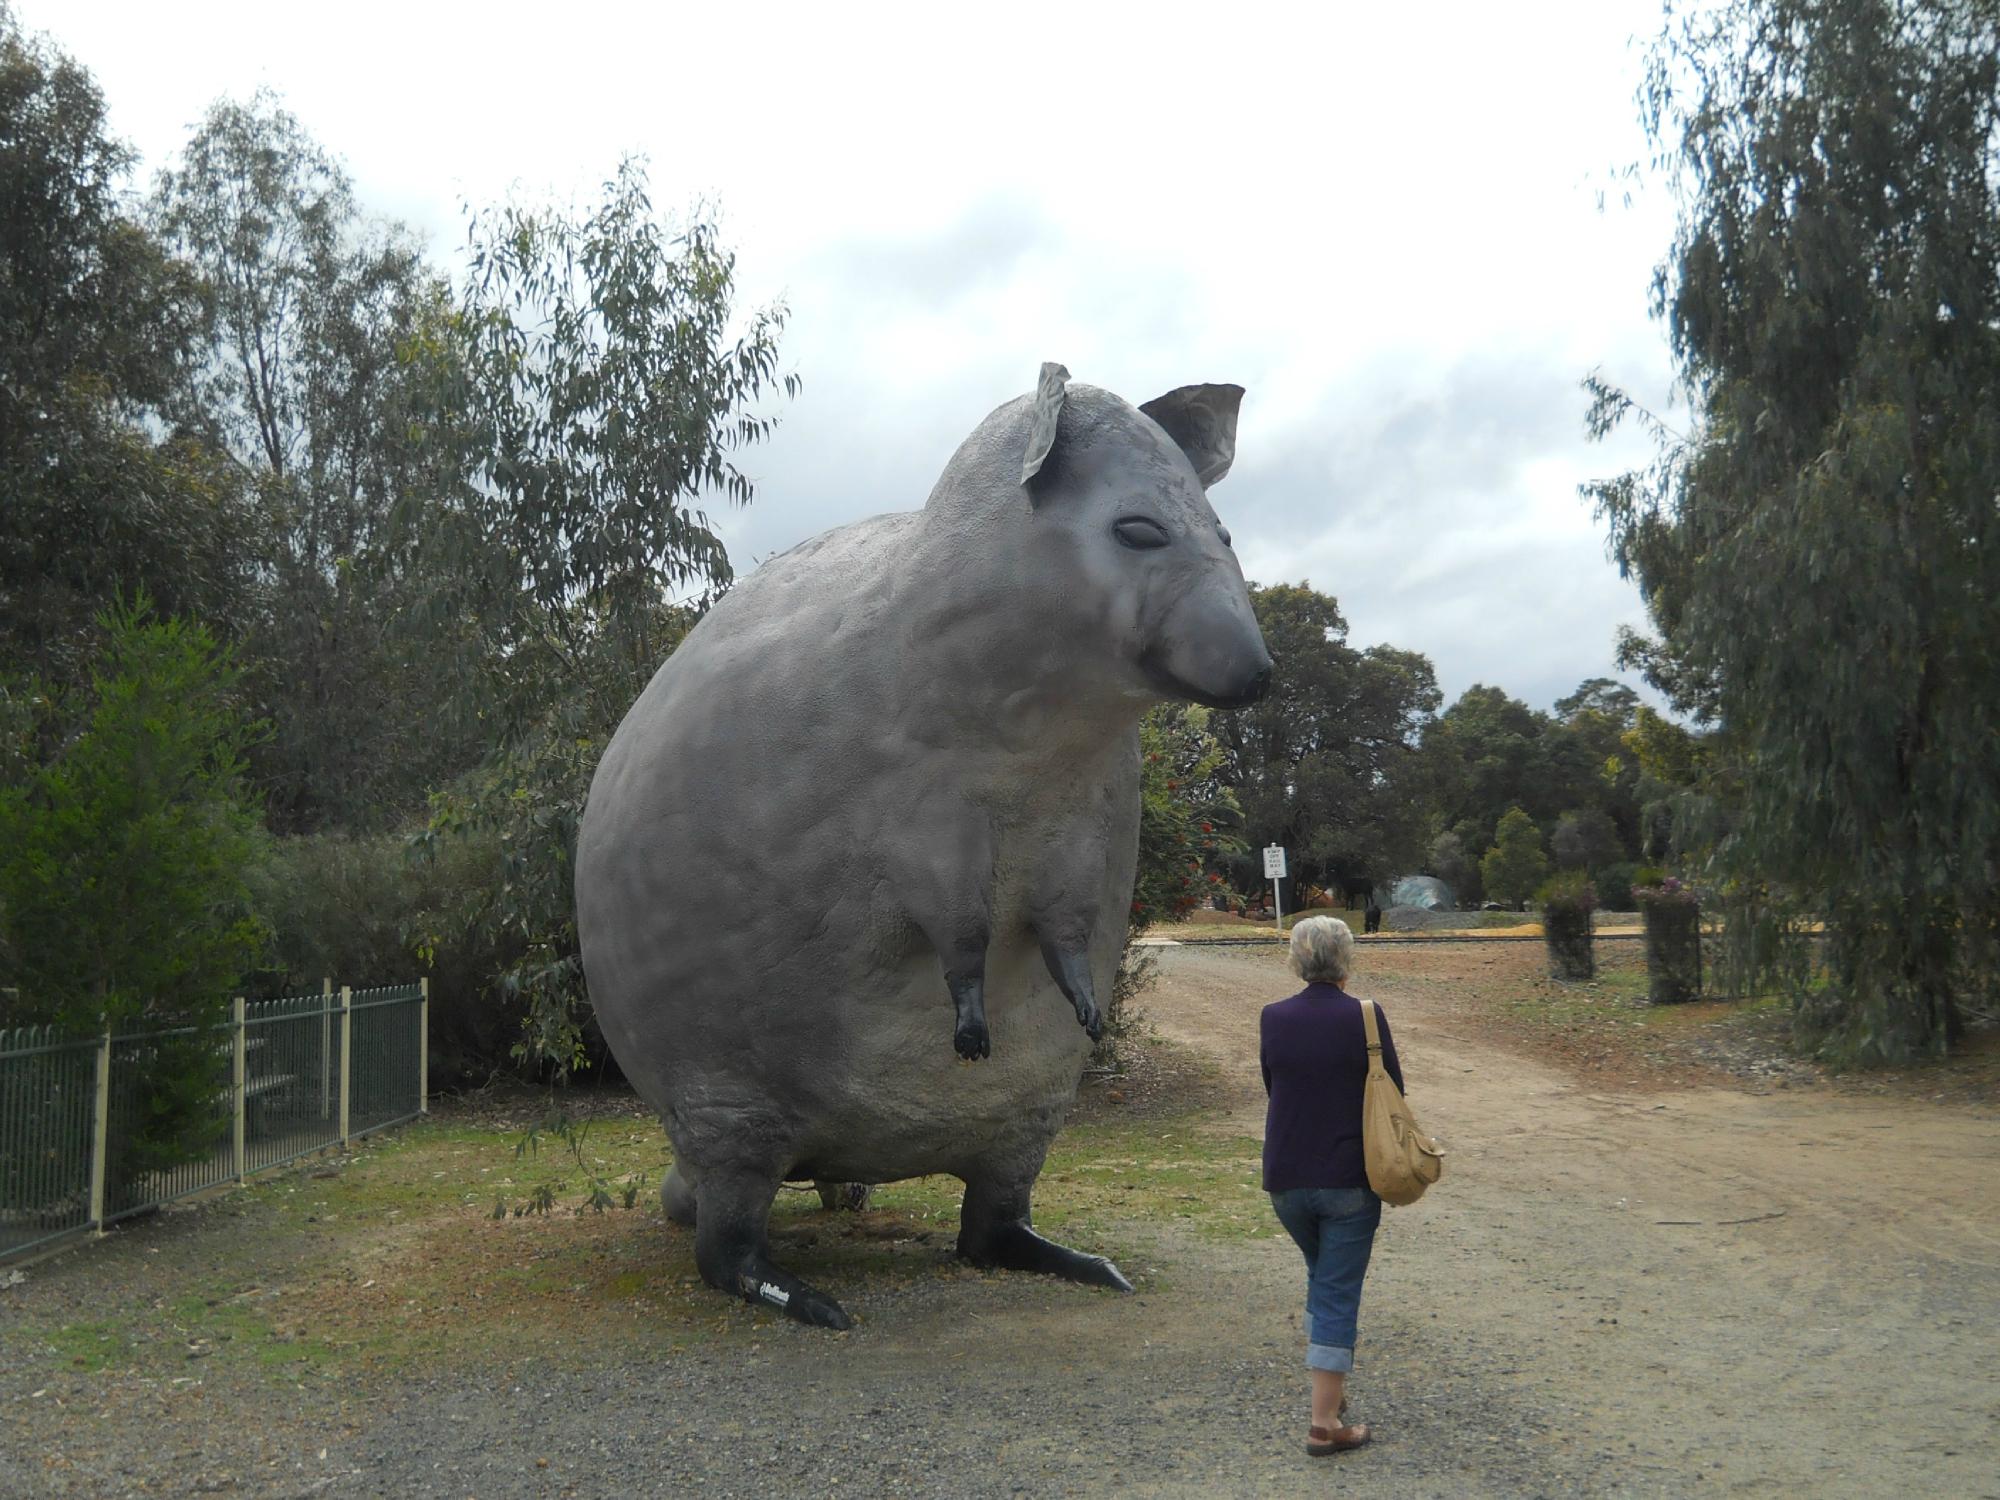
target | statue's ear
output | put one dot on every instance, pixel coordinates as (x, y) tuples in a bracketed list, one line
[(1201, 419), (1042, 421)]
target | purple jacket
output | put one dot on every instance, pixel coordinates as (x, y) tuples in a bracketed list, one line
[(1314, 1051)]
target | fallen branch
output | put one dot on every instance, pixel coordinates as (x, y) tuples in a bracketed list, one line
[(1754, 1218)]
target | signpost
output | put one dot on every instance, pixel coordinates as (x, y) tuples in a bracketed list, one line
[(1274, 871)]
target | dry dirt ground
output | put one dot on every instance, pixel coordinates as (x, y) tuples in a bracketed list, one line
[(1661, 1263)]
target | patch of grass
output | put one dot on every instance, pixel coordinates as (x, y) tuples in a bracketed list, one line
[(251, 1324), (1620, 995), (390, 1259), (414, 1170), (90, 1347), (193, 1326), (1106, 1175), (1610, 1024)]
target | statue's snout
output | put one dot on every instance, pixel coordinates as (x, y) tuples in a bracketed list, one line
[(1212, 651), (1254, 689)]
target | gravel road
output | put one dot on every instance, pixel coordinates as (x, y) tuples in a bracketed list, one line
[(1691, 1292)]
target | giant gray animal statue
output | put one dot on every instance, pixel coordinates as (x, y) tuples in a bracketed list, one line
[(918, 733)]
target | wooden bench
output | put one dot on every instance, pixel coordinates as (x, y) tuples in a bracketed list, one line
[(260, 1094)]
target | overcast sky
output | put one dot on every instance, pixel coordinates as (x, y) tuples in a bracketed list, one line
[(1383, 221)]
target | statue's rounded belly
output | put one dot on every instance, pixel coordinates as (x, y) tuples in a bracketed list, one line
[(917, 1125), (908, 1106)]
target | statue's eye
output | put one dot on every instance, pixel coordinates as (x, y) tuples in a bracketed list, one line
[(1223, 532), (1141, 532)]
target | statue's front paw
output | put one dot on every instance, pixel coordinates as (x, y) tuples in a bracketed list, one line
[(1091, 1019), (971, 1040)]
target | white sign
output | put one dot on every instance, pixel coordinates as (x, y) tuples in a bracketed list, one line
[(1274, 862)]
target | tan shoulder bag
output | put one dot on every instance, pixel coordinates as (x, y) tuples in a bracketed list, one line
[(1402, 1160)]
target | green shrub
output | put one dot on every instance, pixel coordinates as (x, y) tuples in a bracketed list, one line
[(1614, 887), (363, 911), (1762, 943), (339, 907), (123, 859), (1567, 902), (169, 1103), (1673, 940), (1187, 817)]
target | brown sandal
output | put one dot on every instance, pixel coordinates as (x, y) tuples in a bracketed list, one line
[(1321, 1441)]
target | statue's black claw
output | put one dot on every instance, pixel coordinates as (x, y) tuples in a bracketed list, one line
[(820, 1311), (971, 1041), (1105, 1274), (1013, 1246), (1070, 968)]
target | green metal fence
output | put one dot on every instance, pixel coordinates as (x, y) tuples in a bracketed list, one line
[(48, 1092), (292, 1080), (386, 1039), (279, 1079)]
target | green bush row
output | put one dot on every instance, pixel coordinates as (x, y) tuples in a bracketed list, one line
[(362, 911)]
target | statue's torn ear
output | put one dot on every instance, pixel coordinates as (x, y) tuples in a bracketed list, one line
[(1201, 419), (1042, 422)]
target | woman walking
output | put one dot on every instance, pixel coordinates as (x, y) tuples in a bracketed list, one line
[(1314, 1050)]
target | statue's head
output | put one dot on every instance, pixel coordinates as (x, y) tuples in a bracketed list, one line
[(1134, 554)]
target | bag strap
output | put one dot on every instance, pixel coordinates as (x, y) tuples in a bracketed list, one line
[(1368, 1025)]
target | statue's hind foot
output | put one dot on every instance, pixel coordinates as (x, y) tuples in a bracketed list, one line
[(843, 1197), (755, 1279), (677, 1197), (734, 1257), (994, 1232), (1016, 1247)]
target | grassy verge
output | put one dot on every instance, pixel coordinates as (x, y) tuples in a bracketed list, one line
[(1466, 924), (391, 1259), (1608, 1026), (1619, 997)]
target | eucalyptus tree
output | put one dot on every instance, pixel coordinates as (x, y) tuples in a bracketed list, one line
[(1326, 763), (1820, 550), (1590, 727), (600, 387), (1586, 839), (312, 316), (1486, 753), (1515, 865), (96, 323)]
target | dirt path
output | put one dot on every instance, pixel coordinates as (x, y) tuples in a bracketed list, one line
[(1761, 1293), (1596, 1302)]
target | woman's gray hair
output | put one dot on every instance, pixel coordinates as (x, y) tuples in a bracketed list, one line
[(1322, 950)]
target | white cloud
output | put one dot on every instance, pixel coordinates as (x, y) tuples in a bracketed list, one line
[(1382, 221)]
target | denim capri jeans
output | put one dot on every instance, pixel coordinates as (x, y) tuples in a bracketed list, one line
[(1335, 1229)]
